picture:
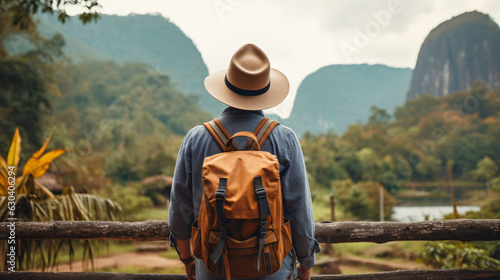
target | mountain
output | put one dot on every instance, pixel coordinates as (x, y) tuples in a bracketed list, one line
[(455, 54), (336, 96), (142, 38)]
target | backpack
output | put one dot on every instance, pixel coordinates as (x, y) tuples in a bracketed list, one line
[(241, 231)]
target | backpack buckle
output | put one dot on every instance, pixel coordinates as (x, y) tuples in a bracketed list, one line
[(223, 230), (261, 193), (263, 228), (220, 194)]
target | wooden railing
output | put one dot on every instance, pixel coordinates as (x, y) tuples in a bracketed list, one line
[(328, 232)]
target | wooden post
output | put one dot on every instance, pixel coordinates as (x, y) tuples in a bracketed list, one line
[(381, 203), (332, 206), (452, 186), (327, 248)]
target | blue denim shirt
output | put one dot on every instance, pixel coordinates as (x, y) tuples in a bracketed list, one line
[(187, 186)]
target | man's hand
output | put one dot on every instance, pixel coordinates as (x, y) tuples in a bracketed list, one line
[(303, 273), (191, 269), (186, 250)]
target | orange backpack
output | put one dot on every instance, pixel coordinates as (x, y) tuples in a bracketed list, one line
[(241, 231)]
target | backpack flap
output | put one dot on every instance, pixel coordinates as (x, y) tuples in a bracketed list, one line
[(240, 199)]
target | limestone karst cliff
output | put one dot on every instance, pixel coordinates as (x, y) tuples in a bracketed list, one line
[(455, 54)]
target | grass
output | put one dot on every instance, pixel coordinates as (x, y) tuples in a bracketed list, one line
[(152, 213), (367, 249), (322, 211), (170, 254), (350, 249)]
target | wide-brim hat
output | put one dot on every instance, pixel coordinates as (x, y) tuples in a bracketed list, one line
[(249, 83)]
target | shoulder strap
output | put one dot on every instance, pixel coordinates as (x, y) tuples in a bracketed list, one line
[(262, 131), (219, 133)]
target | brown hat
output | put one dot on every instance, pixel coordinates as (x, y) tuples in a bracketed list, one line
[(249, 83)]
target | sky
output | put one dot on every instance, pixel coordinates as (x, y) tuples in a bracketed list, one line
[(300, 37)]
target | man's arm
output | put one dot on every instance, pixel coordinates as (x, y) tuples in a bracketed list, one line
[(297, 204), (180, 215)]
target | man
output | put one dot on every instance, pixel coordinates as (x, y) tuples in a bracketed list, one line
[(248, 86)]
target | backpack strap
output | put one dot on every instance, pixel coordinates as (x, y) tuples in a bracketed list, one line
[(220, 197), (262, 131), (264, 212), (219, 133)]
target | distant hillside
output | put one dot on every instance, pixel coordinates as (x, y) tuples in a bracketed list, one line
[(455, 54), (145, 38), (336, 96)]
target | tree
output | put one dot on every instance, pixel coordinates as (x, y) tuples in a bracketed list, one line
[(379, 116), (371, 164), (22, 11), (486, 169), (27, 74)]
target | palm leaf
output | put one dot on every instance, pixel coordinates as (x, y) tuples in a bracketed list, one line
[(38, 166), (39, 153), (3, 208), (4, 184), (3, 251), (3, 163), (15, 150), (34, 202)]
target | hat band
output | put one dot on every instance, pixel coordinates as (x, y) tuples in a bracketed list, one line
[(246, 92)]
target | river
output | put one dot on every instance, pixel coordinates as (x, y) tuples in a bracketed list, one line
[(419, 213), (434, 203)]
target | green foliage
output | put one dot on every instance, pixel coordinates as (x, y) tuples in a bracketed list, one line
[(495, 184), (486, 168), (125, 125), (426, 134), (449, 255), (27, 80), (378, 116), (361, 200), (23, 10), (355, 203), (130, 198)]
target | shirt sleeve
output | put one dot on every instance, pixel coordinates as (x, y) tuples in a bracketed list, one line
[(297, 203), (181, 211)]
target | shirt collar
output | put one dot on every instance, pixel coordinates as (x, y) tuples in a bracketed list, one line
[(239, 112)]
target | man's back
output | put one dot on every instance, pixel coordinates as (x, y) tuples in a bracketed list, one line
[(250, 85)]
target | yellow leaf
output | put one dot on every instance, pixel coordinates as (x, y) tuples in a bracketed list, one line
[(4, 171), (15, 150), (3, 163), (39, 153), (4, 185), (37, 167)]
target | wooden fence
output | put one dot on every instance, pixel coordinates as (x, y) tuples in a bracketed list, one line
[(328, 232)]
